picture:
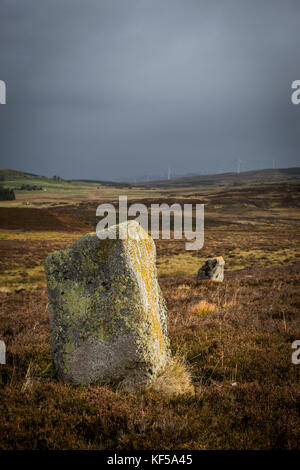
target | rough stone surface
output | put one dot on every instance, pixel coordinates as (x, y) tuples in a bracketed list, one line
[(212, 269), (108, 318)]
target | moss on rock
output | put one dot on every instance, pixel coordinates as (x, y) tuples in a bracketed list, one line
[(107, 315)]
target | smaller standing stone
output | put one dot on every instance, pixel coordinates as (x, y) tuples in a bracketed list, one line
[(212, 269)]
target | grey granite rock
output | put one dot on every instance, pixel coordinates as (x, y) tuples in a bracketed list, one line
[(212, 269), (108, 318)]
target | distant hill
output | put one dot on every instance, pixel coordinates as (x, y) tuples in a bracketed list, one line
[(15, 174), (104, 183), (245, 177), (20, 180), (15, 177)]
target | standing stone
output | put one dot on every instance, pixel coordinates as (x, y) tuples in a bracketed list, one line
[(212, 269), (108, 318)]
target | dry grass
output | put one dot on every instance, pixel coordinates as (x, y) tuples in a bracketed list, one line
[(247, 340), (236, 332), (175, 379), (202, 308)]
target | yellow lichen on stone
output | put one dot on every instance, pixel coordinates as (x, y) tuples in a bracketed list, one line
[(141, 248)]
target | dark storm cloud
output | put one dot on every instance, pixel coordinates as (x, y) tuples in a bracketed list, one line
[(110, 88)]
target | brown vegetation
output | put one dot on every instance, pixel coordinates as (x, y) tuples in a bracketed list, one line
[(235, 338), (15, 218)]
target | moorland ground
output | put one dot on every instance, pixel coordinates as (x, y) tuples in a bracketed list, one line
[(235, 336)]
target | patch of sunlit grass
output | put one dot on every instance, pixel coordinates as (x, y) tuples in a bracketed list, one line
[(175, 379), (203, 308)]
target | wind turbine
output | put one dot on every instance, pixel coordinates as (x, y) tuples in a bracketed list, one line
[(169, 173)]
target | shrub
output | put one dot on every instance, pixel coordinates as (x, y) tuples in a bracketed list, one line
[(7, 194)]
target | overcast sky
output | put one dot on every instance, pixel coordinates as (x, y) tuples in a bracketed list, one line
[(123, 88)]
